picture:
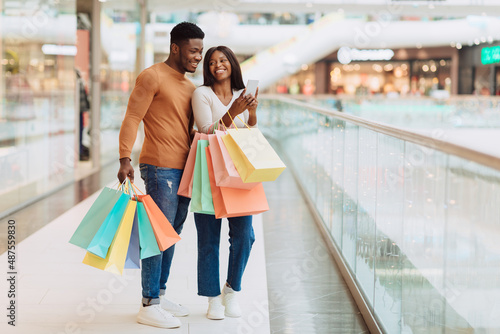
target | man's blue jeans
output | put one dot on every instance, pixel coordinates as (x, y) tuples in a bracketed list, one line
[(162, 185), (241, 238)]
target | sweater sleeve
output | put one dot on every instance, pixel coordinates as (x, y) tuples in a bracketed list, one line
[(202, 111), (140, 99)]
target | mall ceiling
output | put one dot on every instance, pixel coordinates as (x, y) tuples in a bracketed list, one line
[(412, 8)]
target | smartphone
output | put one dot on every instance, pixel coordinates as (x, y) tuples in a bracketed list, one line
[(252, 86)]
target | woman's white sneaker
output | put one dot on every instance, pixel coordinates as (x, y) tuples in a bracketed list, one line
[(233, 309), (156, 316), (176, 309), (215, 308)]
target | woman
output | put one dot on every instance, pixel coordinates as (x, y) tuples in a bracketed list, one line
[(220, 99)]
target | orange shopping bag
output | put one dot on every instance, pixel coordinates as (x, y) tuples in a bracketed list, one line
[(163, 230), (233, 202)]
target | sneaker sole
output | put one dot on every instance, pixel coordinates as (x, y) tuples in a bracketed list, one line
[(232, 315), (215, 318), (147, 323), (180, 314)]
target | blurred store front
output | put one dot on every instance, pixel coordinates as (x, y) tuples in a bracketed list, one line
[(399, 72), (480, 70), (38, 94)]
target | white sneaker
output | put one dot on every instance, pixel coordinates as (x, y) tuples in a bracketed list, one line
[(215, 309), (176, 309), (233, 309), (154, 315)]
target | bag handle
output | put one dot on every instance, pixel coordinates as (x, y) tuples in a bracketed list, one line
[(135, 187), (122, 187), (239, 119)]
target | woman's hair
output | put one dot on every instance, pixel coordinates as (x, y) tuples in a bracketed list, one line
[(236, 78)]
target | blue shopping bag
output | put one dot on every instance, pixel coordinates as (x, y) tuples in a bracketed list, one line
[(133, 253), (94, 218), (102, 240), (147, 239)]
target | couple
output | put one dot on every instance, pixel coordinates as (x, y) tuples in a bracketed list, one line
[(168, 103)]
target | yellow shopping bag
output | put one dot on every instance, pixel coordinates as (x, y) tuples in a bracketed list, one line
[(117, 253), (252, 155)]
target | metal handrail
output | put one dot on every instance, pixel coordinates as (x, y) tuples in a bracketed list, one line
[(410, 136)]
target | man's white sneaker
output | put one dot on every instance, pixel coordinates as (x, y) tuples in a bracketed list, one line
[(154, 315), (232, 307), (215, 309), (176, 309)]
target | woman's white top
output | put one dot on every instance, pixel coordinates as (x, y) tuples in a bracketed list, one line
[(208, 109)]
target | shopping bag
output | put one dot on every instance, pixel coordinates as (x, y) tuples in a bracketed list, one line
[(186, 184), (114, 260), (201, 200), (147, 239), (103, 238), (252, 155), (225, 173), (94, 218), (233, 202), (164, 232), (133, 259)]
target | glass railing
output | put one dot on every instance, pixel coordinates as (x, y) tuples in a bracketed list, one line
[(418, 112), (415, 219)]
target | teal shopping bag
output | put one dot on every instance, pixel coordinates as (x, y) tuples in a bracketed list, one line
[(94, 218), (132, 261), (201, 200), (147, 239), (102, 240)]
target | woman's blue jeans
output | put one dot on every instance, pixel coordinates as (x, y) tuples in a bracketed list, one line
[(241, 238), (162, 184)]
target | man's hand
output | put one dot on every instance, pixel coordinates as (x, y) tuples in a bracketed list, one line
[(126, 170)]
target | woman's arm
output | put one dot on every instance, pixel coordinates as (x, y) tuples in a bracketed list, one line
[(202, 111)]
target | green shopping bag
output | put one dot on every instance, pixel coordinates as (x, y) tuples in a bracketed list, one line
[(147, 239), (201, 200), (94, 218), (102, 240)]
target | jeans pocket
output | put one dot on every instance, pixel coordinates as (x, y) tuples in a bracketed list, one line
[(143, 169)]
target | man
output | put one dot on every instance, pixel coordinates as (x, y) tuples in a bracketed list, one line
[(162, 100)]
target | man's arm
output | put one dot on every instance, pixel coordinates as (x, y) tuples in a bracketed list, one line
[(140, 99)]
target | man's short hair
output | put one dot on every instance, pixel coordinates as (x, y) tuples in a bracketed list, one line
[(185, 31)]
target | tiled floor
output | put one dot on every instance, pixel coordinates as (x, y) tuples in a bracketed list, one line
[(59, 294), (303, 291), (307, 294)]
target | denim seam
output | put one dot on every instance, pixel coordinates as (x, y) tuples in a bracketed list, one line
[(156, 179), (232, 260)]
